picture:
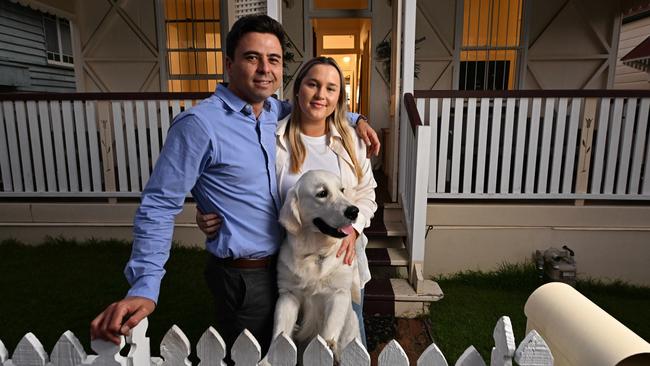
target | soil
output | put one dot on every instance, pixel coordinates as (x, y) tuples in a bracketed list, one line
[(412, 335)]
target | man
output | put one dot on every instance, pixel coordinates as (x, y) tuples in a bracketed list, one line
[(223, 151)]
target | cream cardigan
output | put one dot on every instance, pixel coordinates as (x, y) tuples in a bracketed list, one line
[(362, 193)]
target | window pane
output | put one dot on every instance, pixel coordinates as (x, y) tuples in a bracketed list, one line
[(195, 63), (51, 37), (66, 42), (212, 35), (338, 42)]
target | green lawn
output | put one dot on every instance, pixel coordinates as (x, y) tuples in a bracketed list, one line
[(474, 301), (62, 285)]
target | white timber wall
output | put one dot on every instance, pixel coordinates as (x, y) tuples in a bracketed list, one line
[(632, 34)]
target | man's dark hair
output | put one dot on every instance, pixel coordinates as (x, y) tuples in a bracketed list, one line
[(253, 23)]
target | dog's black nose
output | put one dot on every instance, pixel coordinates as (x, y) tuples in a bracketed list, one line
[(351, 212)]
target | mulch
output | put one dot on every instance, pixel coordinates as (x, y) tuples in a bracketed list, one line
[(412, 335)]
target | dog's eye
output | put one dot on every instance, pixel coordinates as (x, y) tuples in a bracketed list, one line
[(342, 190), (322, 194)]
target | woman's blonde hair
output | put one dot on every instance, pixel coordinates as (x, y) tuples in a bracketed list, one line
[(339, 118)]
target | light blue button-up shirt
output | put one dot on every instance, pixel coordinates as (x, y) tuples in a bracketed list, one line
[(220, 152)]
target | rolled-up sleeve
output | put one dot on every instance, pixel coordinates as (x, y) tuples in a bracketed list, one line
[(184, 155)]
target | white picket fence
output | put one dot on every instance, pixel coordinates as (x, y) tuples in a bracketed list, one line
[(538, 144), (210, 350)]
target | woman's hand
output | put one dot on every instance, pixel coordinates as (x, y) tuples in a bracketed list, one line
[(209, 223), (349, 248)]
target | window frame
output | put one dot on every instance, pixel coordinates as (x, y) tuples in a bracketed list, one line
[(192, 22), (57, 20)]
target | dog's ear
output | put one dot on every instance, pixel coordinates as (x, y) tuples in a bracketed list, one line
[(290, 214)]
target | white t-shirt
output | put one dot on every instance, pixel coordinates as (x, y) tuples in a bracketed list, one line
[(319, 156)]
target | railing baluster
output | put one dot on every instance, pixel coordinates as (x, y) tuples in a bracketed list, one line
[(533, 133), (522, 125), (5, 166), (93, 145), (82, 153), (470, 128), (48, 153), (35, 144), (494, 146), (569, 158), (60, 157), (120, 152), (70, 148), (433, 162), (640, 144), (442, 152), (613, 143), (456, 145), (626, 147), (508, 131), (558, 146), (481, 153)]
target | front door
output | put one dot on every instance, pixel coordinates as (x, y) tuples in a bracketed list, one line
[(338, 29)]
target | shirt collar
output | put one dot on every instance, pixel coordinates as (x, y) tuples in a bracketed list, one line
[(235, 103)]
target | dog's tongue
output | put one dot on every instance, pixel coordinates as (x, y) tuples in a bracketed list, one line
[(347, 229)]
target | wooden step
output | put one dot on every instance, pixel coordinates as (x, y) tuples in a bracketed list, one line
[(390, 257), (396, 297)]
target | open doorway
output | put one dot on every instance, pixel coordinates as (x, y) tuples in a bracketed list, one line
[(347, 40)]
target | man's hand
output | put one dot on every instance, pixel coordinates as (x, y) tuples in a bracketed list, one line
[(348, 246), (120, 317), (209, 223), (369, 136)]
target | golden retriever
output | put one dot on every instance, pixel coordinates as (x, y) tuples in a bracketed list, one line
[(316, 289)]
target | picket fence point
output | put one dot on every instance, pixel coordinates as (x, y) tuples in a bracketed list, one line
[(282, 352), (68, 351), (470, 357), (211, 348), (432, 356), (246, 351), (393, 354), (175, 348), (355, 354), (533, 351)]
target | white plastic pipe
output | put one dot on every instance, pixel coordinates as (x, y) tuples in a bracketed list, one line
[(578, 332)]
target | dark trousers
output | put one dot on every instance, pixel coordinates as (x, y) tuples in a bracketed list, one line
[(244, 299)]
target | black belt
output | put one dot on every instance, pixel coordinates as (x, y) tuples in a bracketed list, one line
[(246, 263)]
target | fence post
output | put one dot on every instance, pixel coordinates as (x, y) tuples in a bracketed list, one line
[(106, 147), (584, 155)]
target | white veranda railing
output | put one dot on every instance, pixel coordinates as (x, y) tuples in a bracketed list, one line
[(210, 350), (85, 144), (560, 144)]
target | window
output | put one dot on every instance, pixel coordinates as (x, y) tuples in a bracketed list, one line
[(194, 54), (58, 42), (491, 32)]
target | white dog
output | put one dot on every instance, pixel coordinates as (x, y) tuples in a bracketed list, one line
[(313, 283)]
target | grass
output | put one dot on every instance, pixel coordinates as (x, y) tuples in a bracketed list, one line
[(474, 301), (62, 285)]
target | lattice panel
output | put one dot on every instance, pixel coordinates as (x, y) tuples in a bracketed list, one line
[(249, 7)]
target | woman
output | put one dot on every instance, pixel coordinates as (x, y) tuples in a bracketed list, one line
[(317, 136)]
